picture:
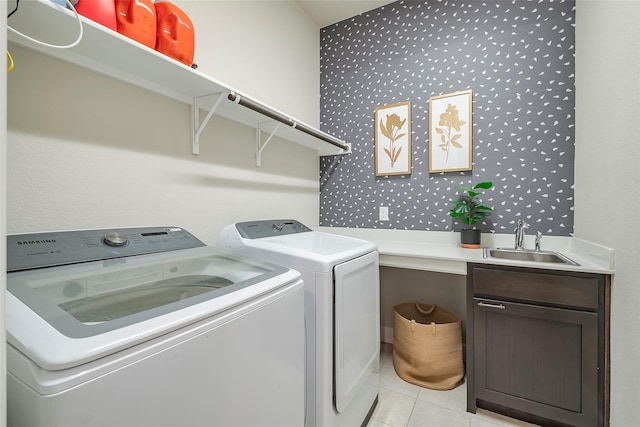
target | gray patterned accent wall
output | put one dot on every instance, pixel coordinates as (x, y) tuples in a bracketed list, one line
[(516, 56)]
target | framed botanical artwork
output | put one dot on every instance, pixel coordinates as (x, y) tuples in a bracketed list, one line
[(393, 139), (450, 132)]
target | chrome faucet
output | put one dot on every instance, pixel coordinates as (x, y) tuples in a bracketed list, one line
[(520, 227)]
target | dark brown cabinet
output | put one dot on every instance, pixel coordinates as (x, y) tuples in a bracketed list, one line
[(537, 344)]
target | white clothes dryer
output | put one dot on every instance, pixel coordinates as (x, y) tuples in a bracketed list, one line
[(342, 313), (150, 327)]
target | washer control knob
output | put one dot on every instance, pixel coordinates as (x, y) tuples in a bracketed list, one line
[(115, 239)]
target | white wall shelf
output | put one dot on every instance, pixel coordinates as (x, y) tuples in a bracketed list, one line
[(110, 53)]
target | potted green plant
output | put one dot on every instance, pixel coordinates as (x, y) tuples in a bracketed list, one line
[(471, 210)]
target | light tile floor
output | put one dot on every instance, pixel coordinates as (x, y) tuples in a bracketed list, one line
[(401, 404)]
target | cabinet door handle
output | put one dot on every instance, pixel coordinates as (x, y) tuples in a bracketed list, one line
[(498, 306)]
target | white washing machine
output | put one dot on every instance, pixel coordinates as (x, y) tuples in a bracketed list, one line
[(150, 327), (342, 300)]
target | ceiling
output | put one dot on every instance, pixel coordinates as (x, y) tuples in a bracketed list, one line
[(327, 12)]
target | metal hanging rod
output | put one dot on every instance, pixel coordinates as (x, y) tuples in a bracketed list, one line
[(275, 115)]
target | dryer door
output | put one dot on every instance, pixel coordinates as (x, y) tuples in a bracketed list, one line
[(357, 326)]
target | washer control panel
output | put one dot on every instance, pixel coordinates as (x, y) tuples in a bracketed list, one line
[(38, 250), (270, 228)]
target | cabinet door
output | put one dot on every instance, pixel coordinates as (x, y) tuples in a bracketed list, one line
[(536, 359)]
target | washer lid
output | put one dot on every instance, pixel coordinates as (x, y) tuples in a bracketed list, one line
[(92, 298), (312, 250), (62, 315)]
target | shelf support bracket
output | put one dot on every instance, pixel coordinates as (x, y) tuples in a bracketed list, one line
[(260, 145), (198, 127)]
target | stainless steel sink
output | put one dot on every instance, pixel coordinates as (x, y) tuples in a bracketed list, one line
[(528, 255)]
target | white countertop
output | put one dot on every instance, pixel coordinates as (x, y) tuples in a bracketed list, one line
[(440, 251)]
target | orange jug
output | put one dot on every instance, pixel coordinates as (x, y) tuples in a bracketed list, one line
[(137, 20), (175, 33), (100, 11)]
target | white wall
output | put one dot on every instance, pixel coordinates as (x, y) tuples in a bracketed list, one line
[(607, 179), (3, 245), (268, 49), (87, 151)]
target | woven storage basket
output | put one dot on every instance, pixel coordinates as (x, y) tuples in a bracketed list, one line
[(427, 346)]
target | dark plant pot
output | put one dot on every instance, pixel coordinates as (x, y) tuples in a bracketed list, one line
[(470, 238)]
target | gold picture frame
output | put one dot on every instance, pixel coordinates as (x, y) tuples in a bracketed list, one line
[(393, 139), (450, 132)]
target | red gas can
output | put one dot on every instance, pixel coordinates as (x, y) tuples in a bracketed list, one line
[(137, 20), (100, 11), (175, 33)]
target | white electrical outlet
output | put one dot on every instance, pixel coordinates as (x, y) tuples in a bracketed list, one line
[(384, 213)]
